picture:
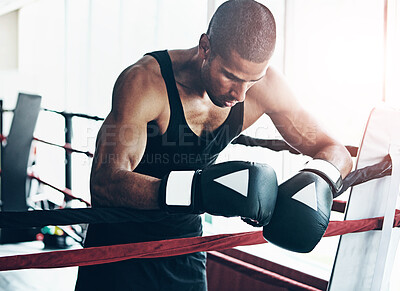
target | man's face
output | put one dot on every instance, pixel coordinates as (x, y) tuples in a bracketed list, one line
[(227, 79)]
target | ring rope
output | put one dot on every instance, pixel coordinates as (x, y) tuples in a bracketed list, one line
[(67, 147), (67, 192), (70, 216), (359, 176), (259, 273), (71, 114), (166, 248), (339, 206), (277, 144)]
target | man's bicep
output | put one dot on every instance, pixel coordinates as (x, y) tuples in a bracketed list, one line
[(120, 145), (134, 104)]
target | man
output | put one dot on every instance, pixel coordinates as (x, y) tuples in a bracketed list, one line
[(177, 110)]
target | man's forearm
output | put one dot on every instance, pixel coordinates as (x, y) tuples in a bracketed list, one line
[(124, 188), (338, 156)]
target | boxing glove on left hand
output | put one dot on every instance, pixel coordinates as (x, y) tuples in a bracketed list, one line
[(303, 207), (234, 188)]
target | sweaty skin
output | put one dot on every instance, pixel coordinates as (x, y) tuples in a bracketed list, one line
[(208, 87)]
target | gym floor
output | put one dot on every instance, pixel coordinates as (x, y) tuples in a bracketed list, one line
[(62, 279)]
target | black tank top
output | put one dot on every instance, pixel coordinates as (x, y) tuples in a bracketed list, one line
[(177, 149)]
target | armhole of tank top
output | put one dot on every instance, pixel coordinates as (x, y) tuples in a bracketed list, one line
[(175, 106), (241, 112), (238, 114)]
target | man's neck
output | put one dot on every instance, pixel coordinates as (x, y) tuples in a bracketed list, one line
[(187, 70)]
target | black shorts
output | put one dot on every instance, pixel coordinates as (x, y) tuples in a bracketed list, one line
[(186, 272)]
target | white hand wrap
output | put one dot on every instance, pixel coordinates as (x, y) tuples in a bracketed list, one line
[(326, 169), (179, 188)]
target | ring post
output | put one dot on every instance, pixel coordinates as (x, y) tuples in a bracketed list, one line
[(68, 158), (1, 142), (15, 162), (390, 236)]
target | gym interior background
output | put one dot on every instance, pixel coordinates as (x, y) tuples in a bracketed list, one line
[(341, 58)]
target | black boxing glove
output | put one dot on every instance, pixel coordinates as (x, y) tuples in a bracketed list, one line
[(303, 207), (234, 188)]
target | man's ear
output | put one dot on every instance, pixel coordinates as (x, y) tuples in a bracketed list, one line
[(204, 46)]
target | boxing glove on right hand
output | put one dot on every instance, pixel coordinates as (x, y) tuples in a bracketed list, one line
[(234, 188)]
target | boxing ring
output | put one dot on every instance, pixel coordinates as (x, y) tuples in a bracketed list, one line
[(369, 234)]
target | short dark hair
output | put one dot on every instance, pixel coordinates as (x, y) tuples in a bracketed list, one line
[(245, 26)]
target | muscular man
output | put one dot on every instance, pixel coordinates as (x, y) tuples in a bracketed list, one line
[(176, 110)]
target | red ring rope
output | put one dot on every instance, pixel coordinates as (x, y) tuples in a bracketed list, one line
[(166, 248)]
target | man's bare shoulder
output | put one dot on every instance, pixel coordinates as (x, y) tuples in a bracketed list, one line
[(142, 77), (273, 94), (140, 89)]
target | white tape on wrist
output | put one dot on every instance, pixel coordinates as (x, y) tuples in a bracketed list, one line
[(179, 188), (328, 170)]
